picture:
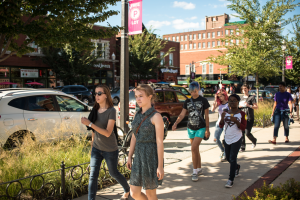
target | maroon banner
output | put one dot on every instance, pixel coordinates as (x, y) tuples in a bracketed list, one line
[(135, 17)]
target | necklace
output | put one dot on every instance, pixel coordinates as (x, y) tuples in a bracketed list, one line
[(232, 114)]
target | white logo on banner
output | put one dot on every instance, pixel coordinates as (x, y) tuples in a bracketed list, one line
[(169, 71)]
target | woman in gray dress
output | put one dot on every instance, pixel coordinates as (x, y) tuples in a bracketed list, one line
[(147, 143)]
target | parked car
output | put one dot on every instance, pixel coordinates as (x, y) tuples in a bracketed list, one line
[(272, 89), (115, 94), (43, 114), (80, 91), (263, 95), (182, 89)]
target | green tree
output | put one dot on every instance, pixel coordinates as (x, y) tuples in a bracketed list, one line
[(70, 66), (197, 79), (144, 55), (51, 23), (259, 52)]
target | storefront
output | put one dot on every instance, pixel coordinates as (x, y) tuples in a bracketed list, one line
[(22, 76), (103, 75)]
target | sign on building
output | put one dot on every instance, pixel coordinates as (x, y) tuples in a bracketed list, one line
[(135, 17), (31, 73)]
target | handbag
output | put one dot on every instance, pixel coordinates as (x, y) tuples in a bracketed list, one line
[(201, 118)]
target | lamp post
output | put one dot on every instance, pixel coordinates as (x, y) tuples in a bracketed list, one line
[(113, 57), (283, 47), (192, 73)]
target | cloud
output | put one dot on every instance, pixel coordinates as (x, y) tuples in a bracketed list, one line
[(184, 5), (234, 17), (192, 18), (222, 0), (157, 24), (180, 24), (220, 5)]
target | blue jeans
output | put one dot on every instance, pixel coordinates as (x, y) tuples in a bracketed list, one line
[(111, 159), (218, 132), (281, 115), (232, 151)]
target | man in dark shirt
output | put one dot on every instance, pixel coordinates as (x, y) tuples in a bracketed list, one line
[(248, 104)]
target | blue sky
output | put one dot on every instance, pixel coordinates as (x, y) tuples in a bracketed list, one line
[(169, 16)]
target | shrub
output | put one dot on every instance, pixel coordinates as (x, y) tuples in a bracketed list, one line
[(264, 109)]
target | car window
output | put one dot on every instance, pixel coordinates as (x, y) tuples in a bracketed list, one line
[(183, 90), (66, 90), (40, 103), (180, 97), (159, 97), (170, 97), (18, 103), (81, 89), (68, 104), (74, 89)]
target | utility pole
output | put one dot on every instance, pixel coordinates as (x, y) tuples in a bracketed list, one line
[(124, 71)]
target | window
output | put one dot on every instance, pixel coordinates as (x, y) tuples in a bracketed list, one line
[(191, 37), (171, 59), (203, 35), (174, 39), (203, 45), (204, 69), (181, 38), (185, 37), (170, 97), (159, 97), (187, 69), (231, 31), (237, 42), (40, 103), (169, 39), (177, 38), (180, 97), (181, 47), (195, 37), (213, 44), (199, 45), (208, 35), (219, 43), (211, 68), (214, 19), (4, 72), (226, 32), (199, 36), (237, 31), (99, 49), (185, 46), (208, 44), (18, 103), (213, 34), (218, 33), (166, 38), (68, 104), (194, 45), (162, 58), (226, 42), (74, 89), (191, 46), (231, 42)]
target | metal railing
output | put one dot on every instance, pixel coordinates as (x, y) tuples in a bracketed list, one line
[(49, 189)]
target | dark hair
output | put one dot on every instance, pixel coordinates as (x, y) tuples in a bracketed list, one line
[(246, 85), (235, 96), (282, 83), (106, 91)]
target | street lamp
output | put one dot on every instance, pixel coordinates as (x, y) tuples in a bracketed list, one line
[(192, 73), (113, 56), (283, 47)]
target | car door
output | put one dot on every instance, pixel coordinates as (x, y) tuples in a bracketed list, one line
[(71, 111), (181, 99), (174, 108), (42, 117)]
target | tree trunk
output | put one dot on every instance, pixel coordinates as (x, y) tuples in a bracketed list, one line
[(257, 88)]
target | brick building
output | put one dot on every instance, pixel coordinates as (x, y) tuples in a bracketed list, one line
[(197, 46)]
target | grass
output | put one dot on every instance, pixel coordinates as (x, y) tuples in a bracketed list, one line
[(33, 158), (264, 109)]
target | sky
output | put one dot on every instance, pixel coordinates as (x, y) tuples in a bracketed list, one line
[(169, 16)]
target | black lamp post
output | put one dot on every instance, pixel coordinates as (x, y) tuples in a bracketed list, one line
[(283, 47)]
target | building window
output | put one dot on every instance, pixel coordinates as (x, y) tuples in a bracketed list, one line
[(199, 36), (208, 35), (231, 31), (185, 46), (169, 38), (237, 31), (218, 33), (166, 38), (174, 39), (181, 38), (226, 42), (182, 47), (231, 42), (191, 46), (204, 69), (213, 44), (213, 34), (99, 49), (237, 42), (199, 45), (203, 45), (226, 32), (194, 45), (177, 38), (211, 68), (208, 44), (214, 19), (162, 58), (191, 37), (219, 43), (171, 59), (195, 37), (203, 35), (187, 69), (185, 37)]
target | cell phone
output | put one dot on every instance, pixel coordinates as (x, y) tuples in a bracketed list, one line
[(225, 109)]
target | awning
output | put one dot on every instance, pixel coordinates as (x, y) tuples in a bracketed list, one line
[(182, 82), (218, 82)]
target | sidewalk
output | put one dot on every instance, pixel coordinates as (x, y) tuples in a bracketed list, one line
[(254, 164)]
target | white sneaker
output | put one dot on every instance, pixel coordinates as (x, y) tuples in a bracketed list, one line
[(195, 177), (223, 157), (198, 173), (229, 184)]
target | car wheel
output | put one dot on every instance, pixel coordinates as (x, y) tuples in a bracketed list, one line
[(86, 101), (17, 139), (116, 100), (167, 123)]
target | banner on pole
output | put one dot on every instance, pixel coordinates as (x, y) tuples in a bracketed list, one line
[(289, 62), (135, 17)]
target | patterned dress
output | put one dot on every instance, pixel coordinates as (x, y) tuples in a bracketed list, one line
[(145, 163)]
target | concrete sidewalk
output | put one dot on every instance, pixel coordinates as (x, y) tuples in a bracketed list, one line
[(254, 163)]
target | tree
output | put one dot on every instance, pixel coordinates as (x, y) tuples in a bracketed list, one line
[(144, 55), (197, 79), (70, 66), (259, 52), (51, 23)]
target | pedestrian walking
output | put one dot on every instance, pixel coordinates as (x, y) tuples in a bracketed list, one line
[(147, 170), (248, 105), (234, 123), (231, 89), (104, 143), (220, 103), (289, 90), (197, 127), (282, 109), (227, 90), (297, 103)]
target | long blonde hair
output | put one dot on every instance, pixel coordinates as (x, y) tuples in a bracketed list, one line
[(109, 101)]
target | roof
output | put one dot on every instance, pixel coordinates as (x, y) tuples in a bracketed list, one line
[(7, 93), (235, 23)]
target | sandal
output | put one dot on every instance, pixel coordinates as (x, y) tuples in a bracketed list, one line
[(287, 141), (270, 141), (125, 198)]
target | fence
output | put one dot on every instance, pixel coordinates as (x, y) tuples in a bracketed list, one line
[(26, 188)]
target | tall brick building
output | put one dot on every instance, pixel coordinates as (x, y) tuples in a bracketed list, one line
[(197, 46)]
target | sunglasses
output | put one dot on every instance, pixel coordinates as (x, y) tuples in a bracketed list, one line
[(99, 93)]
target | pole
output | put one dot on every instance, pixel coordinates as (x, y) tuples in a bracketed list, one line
[(220, 77), (283, 70), (114, 74), (124, 72)]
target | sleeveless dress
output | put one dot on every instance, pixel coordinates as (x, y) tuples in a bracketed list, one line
[(145, 163)]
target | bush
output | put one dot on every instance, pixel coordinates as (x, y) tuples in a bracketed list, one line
[(290, 190), (264, 109)]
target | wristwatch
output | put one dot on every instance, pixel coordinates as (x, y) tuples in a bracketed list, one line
[(90, 125), (251, 106)]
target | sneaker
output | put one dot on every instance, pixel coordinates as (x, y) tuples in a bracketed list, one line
[(254, 144), (229, 184), (199, 173), (237, 171), (242, 150), (195, 177), (223, 157)]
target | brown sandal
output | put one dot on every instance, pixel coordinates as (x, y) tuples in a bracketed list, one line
[(270, 141)]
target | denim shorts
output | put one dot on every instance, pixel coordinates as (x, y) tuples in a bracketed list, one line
[(196, 133)]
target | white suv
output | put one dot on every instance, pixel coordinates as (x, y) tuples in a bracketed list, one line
[(44, 114)]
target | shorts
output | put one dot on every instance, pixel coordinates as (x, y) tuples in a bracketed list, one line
[(196, 133)]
